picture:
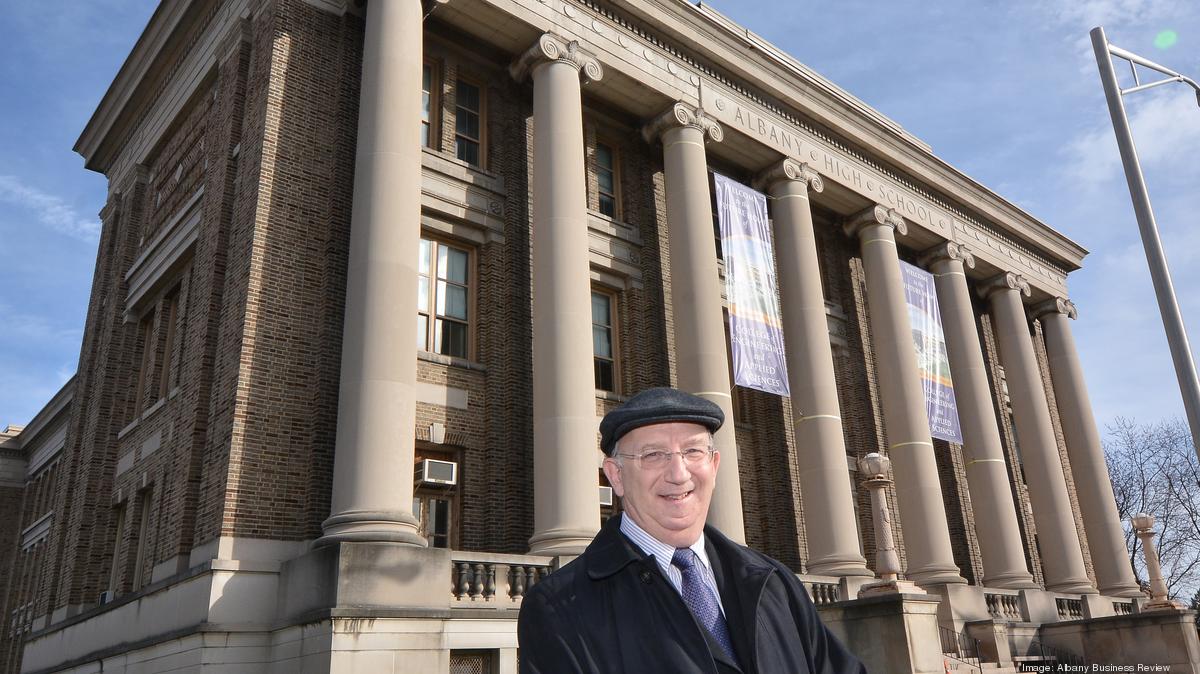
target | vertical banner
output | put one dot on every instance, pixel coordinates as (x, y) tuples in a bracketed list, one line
[(933, 362), (755, 329)]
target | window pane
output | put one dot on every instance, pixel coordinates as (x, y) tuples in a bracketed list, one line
[(423, 293), (601, 341), (600, 308), (608, 206), (604, 157), (452, 300), (467, 124), (452, 264), (425, 134), (468, 96), (422, 332), (604, 375), (605, 180), (451, 338), (423, 260), (467, 151)]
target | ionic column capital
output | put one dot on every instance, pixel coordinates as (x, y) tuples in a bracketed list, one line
[(947, 250), (552, 48), (789, 169), (875, 215), (1058, 305), (681, 114), (1006, 281)]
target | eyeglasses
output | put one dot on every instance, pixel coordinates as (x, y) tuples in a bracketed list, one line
[(657, 459)]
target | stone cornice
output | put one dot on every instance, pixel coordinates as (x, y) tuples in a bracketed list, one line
[(1006, 281), (789, 169), (681, 114), (1058, 305), (550, 47), (875, 215), (947, 250)]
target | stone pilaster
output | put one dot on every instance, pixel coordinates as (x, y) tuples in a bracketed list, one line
[(830, 526), (922, 511), (700, 355), (373, 461), (566, 511), (1062, 556), (987, 476), (1105, 536)]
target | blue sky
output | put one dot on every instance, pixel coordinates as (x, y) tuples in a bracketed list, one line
[(1007, 92)]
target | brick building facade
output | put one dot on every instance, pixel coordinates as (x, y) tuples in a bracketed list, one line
[(190, 478)]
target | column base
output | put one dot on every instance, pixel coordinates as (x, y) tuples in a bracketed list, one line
[(1073, 586), (839, 565), (1013, 580), (890, 587), (371, 526), (1124, 590), (936, 574), (560, 542)]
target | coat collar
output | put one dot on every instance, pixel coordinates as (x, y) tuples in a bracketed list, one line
[(611, 551)]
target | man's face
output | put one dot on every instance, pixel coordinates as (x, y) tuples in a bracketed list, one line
[(669, 503)]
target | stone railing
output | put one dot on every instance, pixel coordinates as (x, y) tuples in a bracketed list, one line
[(488, 580), (1003, 605), (1069, 609), (1122, 607), (822, 589)]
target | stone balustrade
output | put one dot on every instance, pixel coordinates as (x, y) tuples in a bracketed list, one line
[(480, 578), (1004, 605)]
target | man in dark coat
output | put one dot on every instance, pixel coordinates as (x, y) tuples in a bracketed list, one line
[(659, 592)]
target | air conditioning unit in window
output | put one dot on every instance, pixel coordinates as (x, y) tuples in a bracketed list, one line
[(432, 471), (105, 597), (606, 496)]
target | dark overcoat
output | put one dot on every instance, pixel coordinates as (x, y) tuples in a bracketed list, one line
[(613, 611)]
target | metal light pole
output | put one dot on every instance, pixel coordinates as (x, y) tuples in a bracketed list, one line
[(1181, 352)]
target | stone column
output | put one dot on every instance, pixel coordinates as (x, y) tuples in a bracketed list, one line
[(1106, 539), (820, 445), (701, 360), (566, 511), (1062, 556), (987, 475), (922, 511), (374, 454)]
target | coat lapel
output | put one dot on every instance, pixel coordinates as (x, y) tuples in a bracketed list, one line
[(740, 581)]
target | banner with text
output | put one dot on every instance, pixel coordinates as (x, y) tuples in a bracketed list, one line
[(755, 328), (933, 362)]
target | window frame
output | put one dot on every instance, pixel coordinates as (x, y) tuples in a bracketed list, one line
[(429, 344), (481, 113), (614, 339), (433, 124), (615, 169), (422, 496)]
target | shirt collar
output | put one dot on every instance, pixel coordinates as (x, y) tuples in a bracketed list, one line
[(662, 552)]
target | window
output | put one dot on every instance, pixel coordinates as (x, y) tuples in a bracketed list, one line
[(603, 341), (434, 512), (472, 662), (429, 98), (435, 504), (170, 310), (467, 133), (139, 563), (606, 179), (146, 330), (114, 577), (443, 307)]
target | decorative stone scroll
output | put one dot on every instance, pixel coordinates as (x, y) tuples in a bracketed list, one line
[(681, 114), (550, 47), (947, 250), (1006, 281), (876, 215), (790, 169), (1058, 305)]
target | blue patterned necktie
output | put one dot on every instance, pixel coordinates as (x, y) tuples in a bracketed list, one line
[(701, 600)]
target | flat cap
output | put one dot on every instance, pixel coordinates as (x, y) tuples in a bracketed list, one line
[(657, 406)]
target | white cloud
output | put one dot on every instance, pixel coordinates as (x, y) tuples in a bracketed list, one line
[(49, 209), (1166, 129), (1113, 12)]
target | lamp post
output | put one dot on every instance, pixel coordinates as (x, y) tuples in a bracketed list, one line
[(1181, 353), (887, 564), (1143, 527)]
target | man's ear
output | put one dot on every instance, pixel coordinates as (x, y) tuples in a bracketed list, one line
[(612, 470)]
